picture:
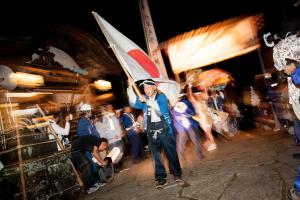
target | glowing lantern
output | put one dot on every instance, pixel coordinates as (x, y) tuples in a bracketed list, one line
[(212, 44), (102, 85), (28, 80)]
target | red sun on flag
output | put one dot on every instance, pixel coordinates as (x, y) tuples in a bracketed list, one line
[(145, 62)]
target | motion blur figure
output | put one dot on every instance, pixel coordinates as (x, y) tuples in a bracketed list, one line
[(199, 101), (186, 127)]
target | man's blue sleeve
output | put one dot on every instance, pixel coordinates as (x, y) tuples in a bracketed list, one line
[(296, 77), (138, 104)]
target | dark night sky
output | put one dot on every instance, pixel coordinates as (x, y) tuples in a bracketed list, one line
[(170, 18)]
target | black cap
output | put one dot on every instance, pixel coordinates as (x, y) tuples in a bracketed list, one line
[(148, 82), (196, 90)]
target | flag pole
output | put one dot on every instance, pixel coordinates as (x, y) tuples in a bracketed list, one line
[(112, 46)]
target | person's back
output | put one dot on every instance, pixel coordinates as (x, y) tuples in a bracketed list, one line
[(187, 112)]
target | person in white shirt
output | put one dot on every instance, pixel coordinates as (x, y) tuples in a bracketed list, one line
[(62, 131), (113, 129)]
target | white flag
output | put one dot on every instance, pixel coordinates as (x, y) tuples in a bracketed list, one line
[(137, 63)]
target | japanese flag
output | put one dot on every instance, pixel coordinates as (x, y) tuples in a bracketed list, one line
[(137, 63)]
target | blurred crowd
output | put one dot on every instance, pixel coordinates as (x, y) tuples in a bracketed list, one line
[(106, 136)]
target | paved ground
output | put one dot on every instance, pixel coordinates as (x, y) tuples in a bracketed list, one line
[(253, 165)]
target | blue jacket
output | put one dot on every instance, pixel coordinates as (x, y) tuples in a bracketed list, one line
[(162, 102), (85, 127), (296, 76)]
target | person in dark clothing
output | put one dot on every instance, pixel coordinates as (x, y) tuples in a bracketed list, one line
[(85, 124), (86, 159)]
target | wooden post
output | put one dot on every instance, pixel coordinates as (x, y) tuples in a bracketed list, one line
[(151, 40), (23, 187), (2, 133), (80, 182)]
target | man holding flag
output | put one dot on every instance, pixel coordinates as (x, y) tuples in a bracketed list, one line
[(138, 66), (159, 129)]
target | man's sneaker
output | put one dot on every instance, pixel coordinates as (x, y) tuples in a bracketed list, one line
[(146, 148), (211, 147), (94, 188), (178, 179), (101, 184), (292, 194), (200, 156), (160, 184)]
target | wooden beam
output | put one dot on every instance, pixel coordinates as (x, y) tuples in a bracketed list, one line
[(44, 71), (62, 79)]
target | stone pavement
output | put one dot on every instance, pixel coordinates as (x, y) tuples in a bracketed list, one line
[(254, 165)]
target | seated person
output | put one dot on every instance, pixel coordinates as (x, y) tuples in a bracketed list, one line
[(86, 159)]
